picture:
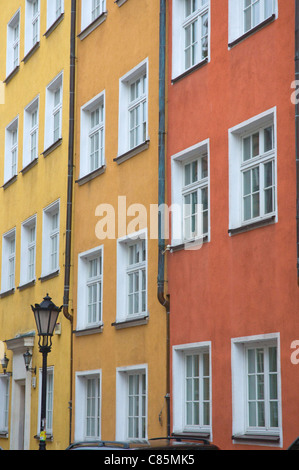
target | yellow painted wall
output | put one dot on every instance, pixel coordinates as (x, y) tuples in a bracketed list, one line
[(29, 195), (129, 35)]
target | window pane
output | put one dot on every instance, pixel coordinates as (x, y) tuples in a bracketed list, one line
[(246, 148), (268, 139), (255, 145)]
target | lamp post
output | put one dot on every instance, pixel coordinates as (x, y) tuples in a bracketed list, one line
[(45, 315)]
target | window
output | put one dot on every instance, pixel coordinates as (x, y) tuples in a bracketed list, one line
[(13, 44), (252, 160), (31, 126), (8, 261), (55, 9), (132, 276), (131, 403), (50, 245), (190, 194), (133, 106), (190, 34), (92, 140), (4, 404), (192, 388), (256, 385), (11, 150), (91, 11), (245, 15), (88, 405), (49, 400), (90, 288), (53, 119), (32, 25), (28, 250)]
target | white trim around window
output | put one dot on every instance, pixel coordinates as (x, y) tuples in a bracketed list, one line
[(256, 387), (30, 132), (8, 261), (88, 402), (190, 34), (32, 24), (55, 8), (11, 150), (245, 15), (50, 241), (92, 135), (131, 403), (192, 388), (90, 288), (133, 109), (13, 43), (93, 13), (28, 251), (132, 275), (53, 111), (253, 171), (190, 194)]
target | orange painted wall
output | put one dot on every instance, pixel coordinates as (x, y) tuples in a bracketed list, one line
[(244, 284)]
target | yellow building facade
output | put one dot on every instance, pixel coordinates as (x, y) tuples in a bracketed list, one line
[(120, 350), (34, 152)]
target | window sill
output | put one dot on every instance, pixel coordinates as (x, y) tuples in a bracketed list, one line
[(29, 166), (131, 153), (25, 286), (12, 74), (90, 176), (46, 277), (189, 71), (253, 30), (252, 225), (7, 293), (120, 2), (89, 331), (92, 26), (31, 52), (258, 438), (52, 147), (3, 434), (182, 246), (10, 182), (194, 435), (136, 321), (54, 25)]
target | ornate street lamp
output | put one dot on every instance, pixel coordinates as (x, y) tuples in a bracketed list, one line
[(27, 359), (4, 363), (46, 315)]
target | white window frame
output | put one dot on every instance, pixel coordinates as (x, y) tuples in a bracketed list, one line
[(83, 282), (28, 249), (178, 190), (86, 132), (81, 403), (49, 234), (11, 150), (236, 27), (179, 24), (49, 400), (55, 8), (31, 129), (32, 24), (122, 402), (239, 347), (124, 269), (52, 110), (90, 12), (237, 167), (180, 352), (4, 403), (13, 43), (126, 107), (8, 261)]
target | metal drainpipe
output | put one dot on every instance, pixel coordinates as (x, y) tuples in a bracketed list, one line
[(161, 198), (297, 126), (67, 264)]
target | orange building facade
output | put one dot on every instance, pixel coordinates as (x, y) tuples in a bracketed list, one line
[(232, 275)]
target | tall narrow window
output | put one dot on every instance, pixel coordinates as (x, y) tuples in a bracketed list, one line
[(55, 9), (93, 418), (31, 129), (136, 278), (197, 391), (13, 44), (96, 138), (137, 111), (137, 406), (94, 290), (28, 250), (57, 114), (32, 24), (54, 236), (11, 150), (4, 403), (8, 261), (53, 112), (50, 245)]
